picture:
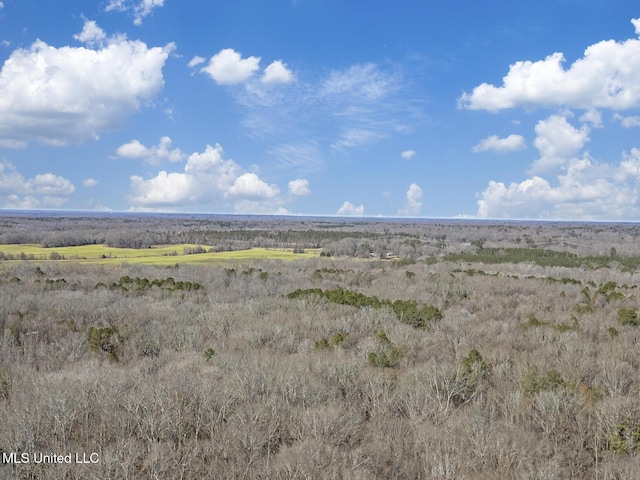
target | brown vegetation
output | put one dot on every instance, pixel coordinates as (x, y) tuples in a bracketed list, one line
[(531, 373)]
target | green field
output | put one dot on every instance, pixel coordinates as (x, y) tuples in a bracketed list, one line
[(157, 255)]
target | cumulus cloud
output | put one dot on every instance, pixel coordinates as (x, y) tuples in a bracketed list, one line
[(414, 202), (607, 76), (249, 186), (587, 190), (91, 34), (42, 191), (299, 187), (566, 182), (593, 117), (153, 155), (557, 140), (277, 72), (62, 95), (208, 179), (227, 67), (408, 154), (89, 182), (349, 209), (512, 143)]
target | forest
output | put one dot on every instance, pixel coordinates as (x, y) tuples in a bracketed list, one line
[(406, 349)]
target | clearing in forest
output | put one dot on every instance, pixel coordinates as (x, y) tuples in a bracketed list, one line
[(157, 255)]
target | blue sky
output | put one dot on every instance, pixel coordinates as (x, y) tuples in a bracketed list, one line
[(502, 109)]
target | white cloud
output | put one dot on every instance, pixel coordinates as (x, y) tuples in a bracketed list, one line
[(299, 187), (91, 34), (277, 72), (1, 5), (349, 209), (144, 8), (152, 155), (408, 154), (10, 179), (206, 180), (260, 207), (250, 187), (628, 122), (354, 107), (117, 5), (587, 191), (28, 202), (576, 186), (414, 202), (512, 143), (89, 182), (140, 9), (195, 61), (592, 117), (227, 67), (356, 137), (44, 190), (582, 189), (365, 104), (61, 95), (557, 141), (300, 157), (363, 82), (607, 76)]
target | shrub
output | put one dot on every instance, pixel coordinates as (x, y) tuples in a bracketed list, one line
[(337, 338), (474, 370), (626, 438), (55, 256), (533, 382), (105, 340), (387, 355), (475, 363), (322, 344), (194, 250), (407, 311), (628, 316), (533, 321)]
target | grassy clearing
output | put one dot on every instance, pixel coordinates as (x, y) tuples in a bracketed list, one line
[(157, 255)]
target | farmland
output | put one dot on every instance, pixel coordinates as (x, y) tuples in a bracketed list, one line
[(480, 350), (154, 255)]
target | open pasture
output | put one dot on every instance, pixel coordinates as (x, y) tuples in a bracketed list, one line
[(155, 255)]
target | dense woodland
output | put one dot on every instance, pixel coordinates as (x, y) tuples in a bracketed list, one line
[(476, 350)]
